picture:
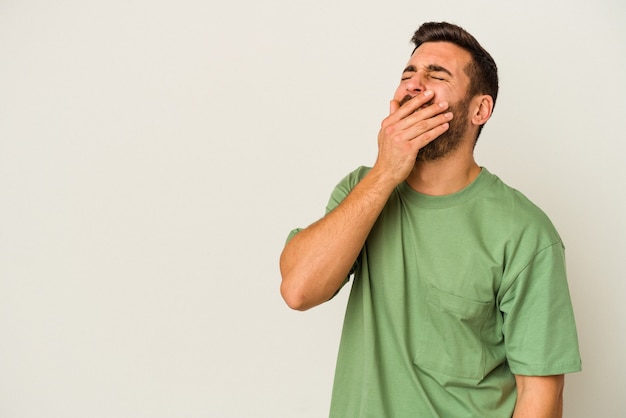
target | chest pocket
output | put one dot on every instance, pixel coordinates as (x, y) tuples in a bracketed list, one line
[(451, 341)]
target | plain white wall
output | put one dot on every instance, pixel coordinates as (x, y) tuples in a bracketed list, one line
[(154, 155)]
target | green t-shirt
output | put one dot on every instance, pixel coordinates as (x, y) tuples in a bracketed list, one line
[(452, 296)]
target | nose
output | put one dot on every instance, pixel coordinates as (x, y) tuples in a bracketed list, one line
[(416, 83)]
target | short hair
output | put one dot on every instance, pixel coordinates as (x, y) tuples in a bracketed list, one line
[(482, 70)]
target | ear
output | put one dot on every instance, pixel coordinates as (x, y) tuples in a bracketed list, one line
[(481, 112)]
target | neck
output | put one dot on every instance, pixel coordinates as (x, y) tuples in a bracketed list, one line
[(442, 177)]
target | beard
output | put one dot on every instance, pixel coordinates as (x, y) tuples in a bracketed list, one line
[(450, 140)]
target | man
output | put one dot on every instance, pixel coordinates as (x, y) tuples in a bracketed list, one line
[(459, 305)]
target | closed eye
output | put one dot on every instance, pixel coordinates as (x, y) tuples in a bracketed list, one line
[(408, 72), (437, 72)]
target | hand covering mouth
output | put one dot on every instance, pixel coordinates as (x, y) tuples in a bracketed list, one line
[(408, 97)]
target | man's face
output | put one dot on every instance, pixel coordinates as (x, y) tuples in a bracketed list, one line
[(439, 66)]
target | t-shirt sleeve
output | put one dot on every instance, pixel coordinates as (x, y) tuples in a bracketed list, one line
[(539, 327), (341, 190), (345, 186)]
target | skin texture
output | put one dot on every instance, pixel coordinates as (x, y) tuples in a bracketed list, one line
[(430, 108), (539, 396)]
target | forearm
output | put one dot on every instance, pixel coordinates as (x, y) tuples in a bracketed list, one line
[(539, 397), (317, 260)]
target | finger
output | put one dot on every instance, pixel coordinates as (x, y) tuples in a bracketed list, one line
[(422, 114), (429, 129), (393, 106), (409, 107), (424, 139)]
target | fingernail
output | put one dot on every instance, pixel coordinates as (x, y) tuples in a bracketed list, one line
[(428, 93)]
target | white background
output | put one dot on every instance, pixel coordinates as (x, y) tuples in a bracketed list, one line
[(155, 154)]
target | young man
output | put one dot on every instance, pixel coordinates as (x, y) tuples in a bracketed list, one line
[(459, 304)]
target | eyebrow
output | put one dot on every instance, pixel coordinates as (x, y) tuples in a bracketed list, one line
[(430, 68)]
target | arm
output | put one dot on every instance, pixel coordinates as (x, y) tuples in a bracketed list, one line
[(539, 396), (317, 260)]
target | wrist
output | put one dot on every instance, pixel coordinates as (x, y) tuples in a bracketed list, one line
[(382, 180)]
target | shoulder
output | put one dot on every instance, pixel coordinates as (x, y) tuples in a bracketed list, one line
[(525, 229), (519, 209)]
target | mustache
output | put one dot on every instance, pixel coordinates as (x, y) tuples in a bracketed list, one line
[(405, 99), (409, 97)]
